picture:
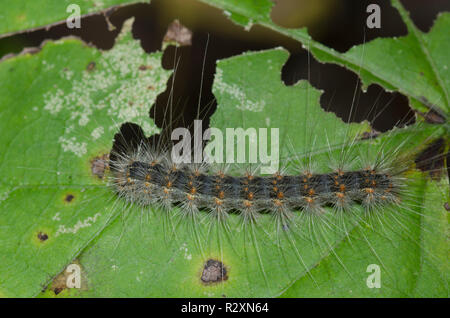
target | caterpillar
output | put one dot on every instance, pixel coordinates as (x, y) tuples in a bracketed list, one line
[(147, 178), (340, 201)]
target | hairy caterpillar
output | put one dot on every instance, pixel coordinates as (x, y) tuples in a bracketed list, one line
[(243, 251), (148, 178)]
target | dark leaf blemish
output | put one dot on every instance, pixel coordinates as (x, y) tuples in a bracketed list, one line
[(91, 66), (214, 272), (42, 236), (178, 33), (370, 134), (99, 165), (145, 67), (57, 290), (69, 198)]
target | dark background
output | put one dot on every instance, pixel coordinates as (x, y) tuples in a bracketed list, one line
[(339, 24)]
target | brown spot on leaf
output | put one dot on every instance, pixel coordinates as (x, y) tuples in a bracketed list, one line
[(69, 198), (178, 33), (42, 236), (59, 283), (57, 290), (433, 117), (447, 206), (214, 272), (99, 164), (145, 67), (91, 66), (370, 134)]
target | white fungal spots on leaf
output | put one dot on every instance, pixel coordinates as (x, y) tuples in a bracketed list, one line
[(66, 74), (184, 248), (71, 144), (56, 217), (79, 225), (243, 102), (47, 66), (116, 91), (4, 196), (97, 133)]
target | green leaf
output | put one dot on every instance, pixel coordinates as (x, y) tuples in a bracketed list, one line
[(406, 269), (165, 260), (59, 110), (414, 261), (415, 65), (19, 15), (151, 253)]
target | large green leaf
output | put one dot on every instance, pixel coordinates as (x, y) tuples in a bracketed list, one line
[(413, 260), (406, 269), (148, 252), (19, 15), (59, 109), (415, 65)]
